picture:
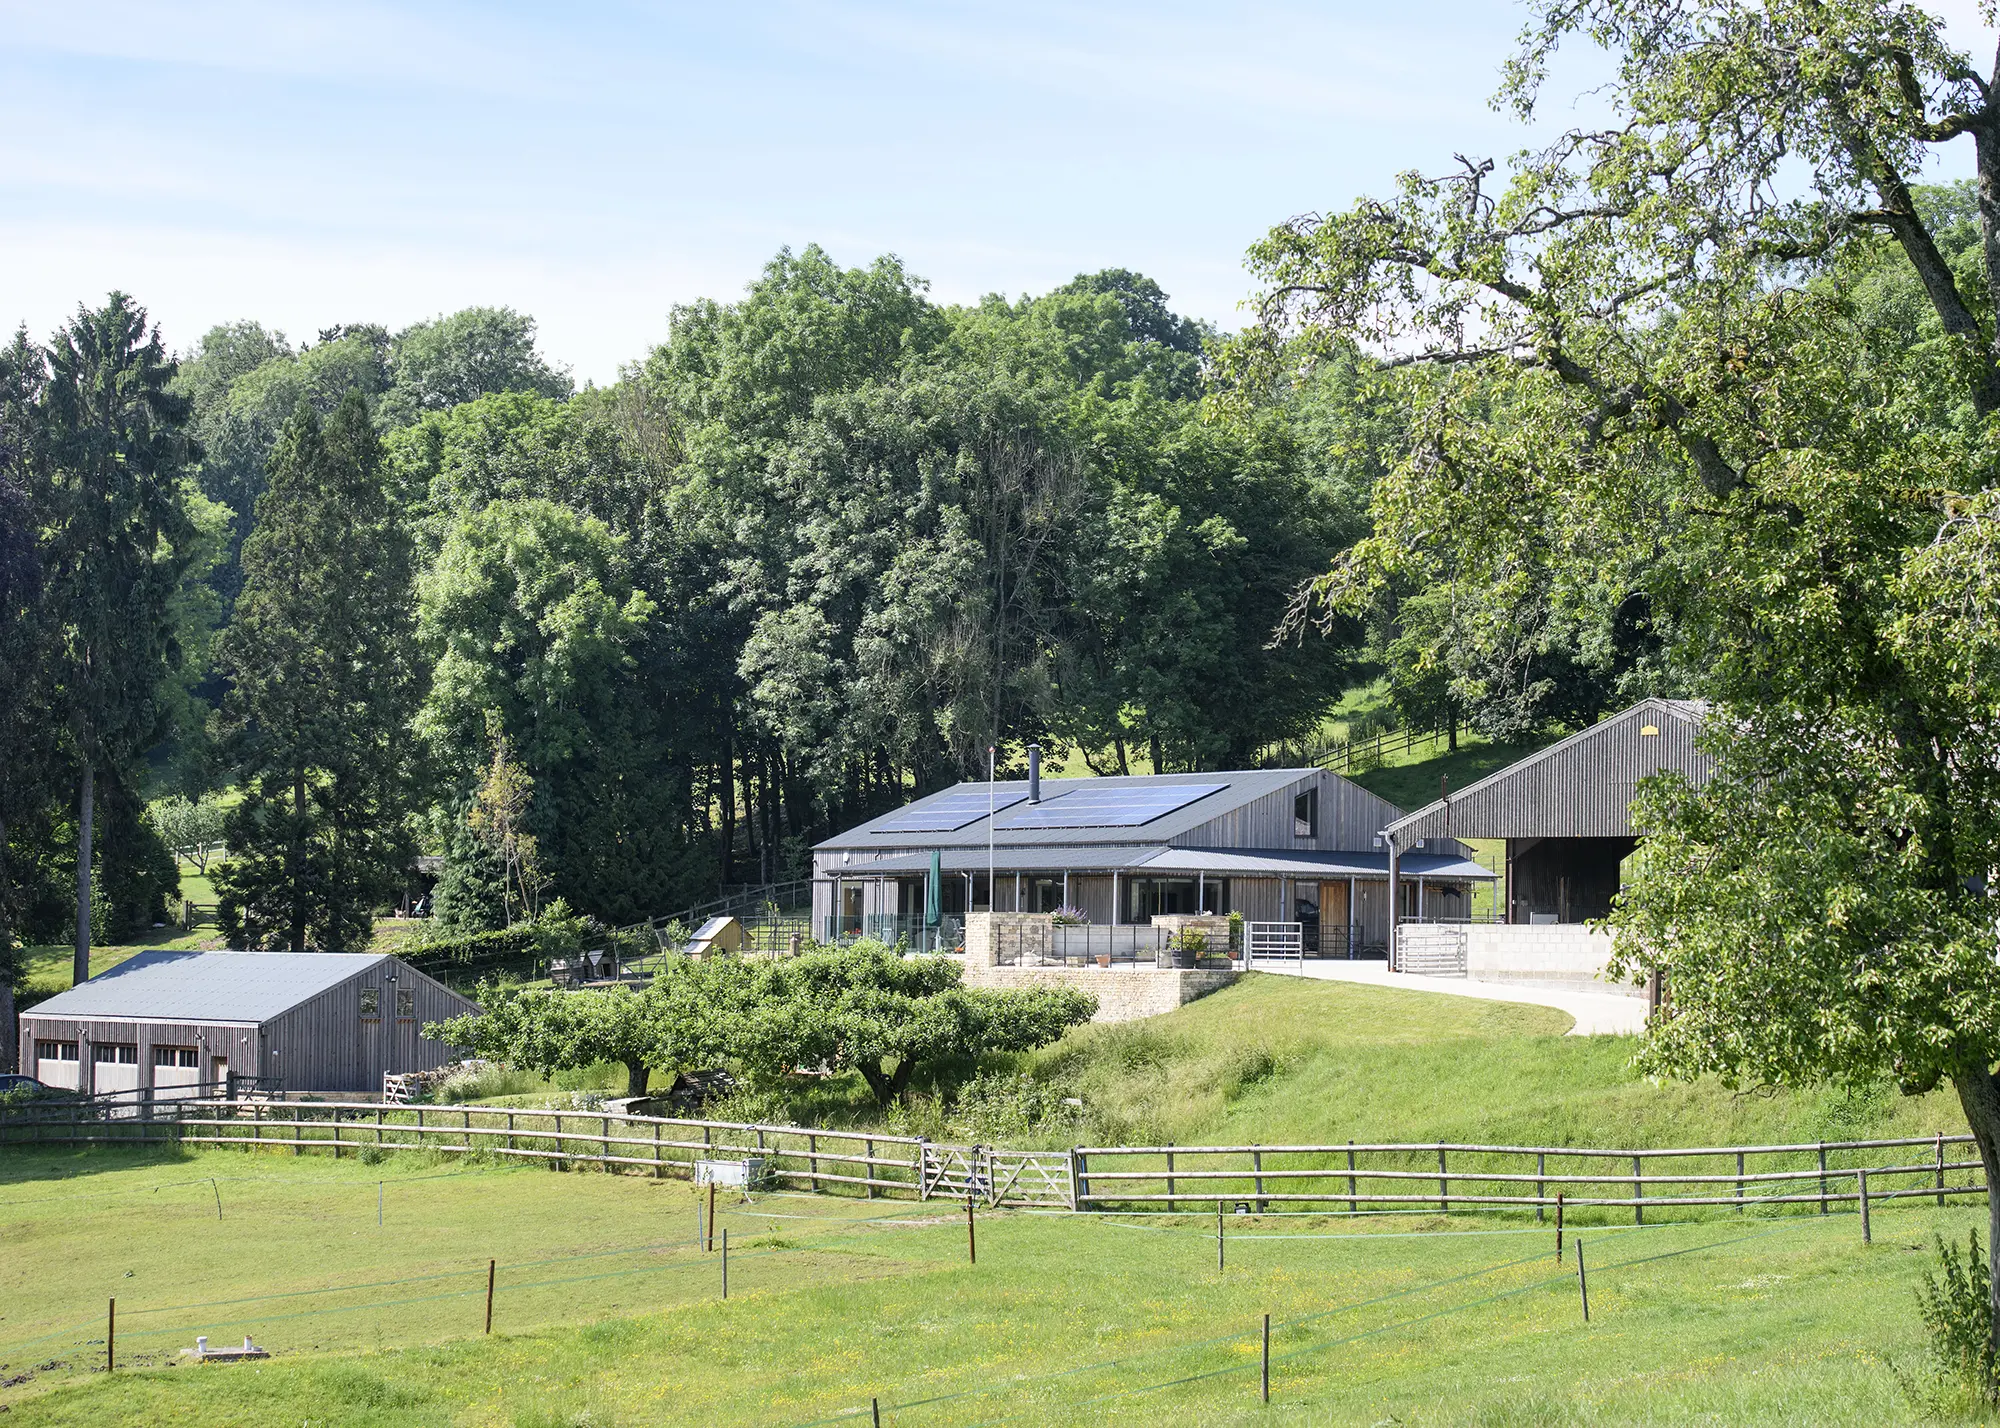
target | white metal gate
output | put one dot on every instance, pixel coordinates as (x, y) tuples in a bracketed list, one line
[(1275, 942)]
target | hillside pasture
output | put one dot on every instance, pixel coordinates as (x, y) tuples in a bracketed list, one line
[(609, 1314)]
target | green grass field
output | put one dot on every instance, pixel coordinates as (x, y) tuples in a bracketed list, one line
[(608, 1314)]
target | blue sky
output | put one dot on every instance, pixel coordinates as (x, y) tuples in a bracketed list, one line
[(593, 165)]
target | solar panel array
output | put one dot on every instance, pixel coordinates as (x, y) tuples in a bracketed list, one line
[(947, 812), (1125, 807)]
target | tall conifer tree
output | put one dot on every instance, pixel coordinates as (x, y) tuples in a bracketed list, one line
[(117, 542), (318, 718)]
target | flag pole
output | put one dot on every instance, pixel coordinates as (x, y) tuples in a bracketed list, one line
[(992, 804)]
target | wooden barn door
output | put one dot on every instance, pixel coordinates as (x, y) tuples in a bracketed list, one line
[(1334, 917)]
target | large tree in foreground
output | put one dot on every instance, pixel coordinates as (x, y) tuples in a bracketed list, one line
[(1723, 336), (323, 692)]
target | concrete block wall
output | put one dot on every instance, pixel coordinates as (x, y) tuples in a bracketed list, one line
[(1565, 955)]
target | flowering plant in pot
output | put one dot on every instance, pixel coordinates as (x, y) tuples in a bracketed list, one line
[(1069, 917)]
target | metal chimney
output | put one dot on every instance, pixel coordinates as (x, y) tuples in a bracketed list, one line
[(1034, 773)]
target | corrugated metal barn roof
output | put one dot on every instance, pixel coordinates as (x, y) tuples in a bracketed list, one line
[(1581, 787), (208, 986), (1235, 790)]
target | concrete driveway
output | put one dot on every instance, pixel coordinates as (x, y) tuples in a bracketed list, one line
[(1596, 1013)]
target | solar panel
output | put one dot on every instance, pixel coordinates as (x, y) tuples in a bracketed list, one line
[(1125, 807), (948, 812)]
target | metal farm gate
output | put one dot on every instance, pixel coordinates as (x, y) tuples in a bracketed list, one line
[(1012, 1177)]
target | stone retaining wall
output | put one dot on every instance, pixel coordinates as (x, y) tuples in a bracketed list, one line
[(1123, 994)]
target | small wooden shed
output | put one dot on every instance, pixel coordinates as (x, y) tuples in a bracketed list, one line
[(299, 1021)]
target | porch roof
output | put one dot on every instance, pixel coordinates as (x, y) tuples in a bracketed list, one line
[(1154, 861)]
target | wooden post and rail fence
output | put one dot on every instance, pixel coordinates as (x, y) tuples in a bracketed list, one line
[(1180, 1179)]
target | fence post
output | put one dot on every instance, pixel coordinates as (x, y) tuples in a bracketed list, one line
[(111, 1335), (1822, 1177), (1079, 1179), (725, 1264), (1638, 1194), (1739, 1182), (659, 1171), (1940, 1168), (1582, 1280), (1352, 1207), (1541, 1190), (1218, 1236), (1257, 1171), (1559, 1227), (1170, 1175), (1867, 1237), (971, 1238), (812, 1161), (1444, 1183), (1267, 1358), (489, 1294)]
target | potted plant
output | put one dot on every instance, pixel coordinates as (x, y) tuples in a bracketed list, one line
[(1190, 944)]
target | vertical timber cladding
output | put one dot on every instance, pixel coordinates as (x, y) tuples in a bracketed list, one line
[(1581, 787), (237, 1042), (1349, 818), (324, 1043)]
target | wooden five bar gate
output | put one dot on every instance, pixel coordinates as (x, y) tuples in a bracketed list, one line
[(1172, 1179)]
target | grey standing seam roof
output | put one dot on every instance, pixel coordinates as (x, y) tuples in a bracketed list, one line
[(1579, 787), (207, 986), (1181, 862), (1240, 788)]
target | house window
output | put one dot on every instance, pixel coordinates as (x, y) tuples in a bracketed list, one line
[(174, 1056), (371, 1001), (114, 1053), (406, 1002), (1305, 814), (56, 1050)]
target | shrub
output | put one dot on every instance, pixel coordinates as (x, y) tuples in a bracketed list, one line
[(1958, 1315)]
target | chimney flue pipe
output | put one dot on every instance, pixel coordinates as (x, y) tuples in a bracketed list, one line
[(1034, 773)]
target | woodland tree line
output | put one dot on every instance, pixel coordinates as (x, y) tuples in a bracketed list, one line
[(402, 592)]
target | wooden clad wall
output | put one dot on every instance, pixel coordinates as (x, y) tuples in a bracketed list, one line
[(1349, 818), (238, 1041), (325, 1045)]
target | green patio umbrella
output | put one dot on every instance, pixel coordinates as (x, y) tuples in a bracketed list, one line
[(934, 891)]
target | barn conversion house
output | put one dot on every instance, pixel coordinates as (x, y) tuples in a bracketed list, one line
[(172, 1022), (1276, 845)]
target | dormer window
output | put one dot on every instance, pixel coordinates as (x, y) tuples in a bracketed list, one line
[(1305, 814)]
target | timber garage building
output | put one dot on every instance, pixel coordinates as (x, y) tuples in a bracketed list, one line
[(182, 1023)]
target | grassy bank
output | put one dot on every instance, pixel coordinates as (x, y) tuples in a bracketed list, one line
[(1279, 1060), (608, 1315)]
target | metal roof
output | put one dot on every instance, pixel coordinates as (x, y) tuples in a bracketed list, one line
[(1217, 862), (1287, 863), (1238, 788), (208, 986), (1580, 787), (1005, 860)]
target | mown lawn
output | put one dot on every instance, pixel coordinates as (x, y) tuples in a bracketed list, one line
[(1067, 1320)]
